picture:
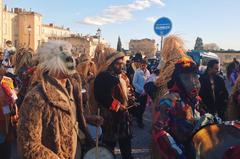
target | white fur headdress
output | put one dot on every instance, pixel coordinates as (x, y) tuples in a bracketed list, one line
[(52, 48), (50, 57)]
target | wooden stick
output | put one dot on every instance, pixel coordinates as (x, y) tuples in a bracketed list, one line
[(97, 132)]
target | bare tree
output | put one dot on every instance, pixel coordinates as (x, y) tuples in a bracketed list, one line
[(211, 46)]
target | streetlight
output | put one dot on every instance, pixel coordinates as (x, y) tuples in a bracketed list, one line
[(157, 46), (99, 34), (29, 28)]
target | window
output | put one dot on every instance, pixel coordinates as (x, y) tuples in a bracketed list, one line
[(5, 28)]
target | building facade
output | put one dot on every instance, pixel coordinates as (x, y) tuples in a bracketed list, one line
[(29, 29), (51, 31), (146, 46), (227, 56), (25, 28)]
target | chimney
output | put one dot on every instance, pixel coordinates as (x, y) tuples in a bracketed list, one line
[(16, 10)]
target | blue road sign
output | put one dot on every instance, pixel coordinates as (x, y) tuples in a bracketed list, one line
[(163, 26)]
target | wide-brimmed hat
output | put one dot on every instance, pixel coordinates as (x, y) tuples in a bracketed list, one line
[(84, 58), (111, 56)]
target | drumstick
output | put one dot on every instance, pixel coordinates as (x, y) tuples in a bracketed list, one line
[(134, 105), (98, 115)]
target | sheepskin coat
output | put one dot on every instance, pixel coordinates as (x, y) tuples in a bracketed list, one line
[(45, 129)]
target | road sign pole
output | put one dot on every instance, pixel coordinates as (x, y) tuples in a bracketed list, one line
[(161, 42)]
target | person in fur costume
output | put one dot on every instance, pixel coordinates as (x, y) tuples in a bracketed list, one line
[(173, 50), (52, 123), (111, 93)]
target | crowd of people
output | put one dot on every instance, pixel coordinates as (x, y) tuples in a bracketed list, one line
[(53, 102)]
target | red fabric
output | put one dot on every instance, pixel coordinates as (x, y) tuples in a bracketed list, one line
[(174, 88), (115, 105), (164, 148), (232, 153), (237, 125)]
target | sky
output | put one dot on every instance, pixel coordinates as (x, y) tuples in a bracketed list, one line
[(215, 21)]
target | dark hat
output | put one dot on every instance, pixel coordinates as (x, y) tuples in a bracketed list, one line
[(137, 57)]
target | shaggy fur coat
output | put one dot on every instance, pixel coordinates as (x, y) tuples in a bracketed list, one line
[(45, 129)]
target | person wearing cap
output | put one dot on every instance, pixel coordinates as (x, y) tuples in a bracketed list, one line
[(134, 65), (139, 80), (110, 93)]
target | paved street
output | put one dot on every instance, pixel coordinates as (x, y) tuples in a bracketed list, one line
[(141, 138)]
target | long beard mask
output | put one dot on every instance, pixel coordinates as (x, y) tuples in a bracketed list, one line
[(62, 64)]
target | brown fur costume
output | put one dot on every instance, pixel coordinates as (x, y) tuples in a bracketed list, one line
[(46, 129), (50, 111)]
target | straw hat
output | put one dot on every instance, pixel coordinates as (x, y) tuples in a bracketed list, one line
[(84, 58)]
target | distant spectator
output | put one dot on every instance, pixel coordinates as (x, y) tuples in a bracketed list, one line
[(213, 90), (139, 80), (234, 75), (235, 61), (231, 68), (7, 62)]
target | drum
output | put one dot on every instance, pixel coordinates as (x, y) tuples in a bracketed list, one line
[(103, 153), (93, 131)]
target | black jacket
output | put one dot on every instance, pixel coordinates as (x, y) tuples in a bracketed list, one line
[(218, 105), (116, 124)]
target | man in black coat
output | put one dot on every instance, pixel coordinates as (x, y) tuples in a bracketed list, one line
[(113, 102), (213, 90)]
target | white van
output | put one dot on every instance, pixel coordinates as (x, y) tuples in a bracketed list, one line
[(202, 58)]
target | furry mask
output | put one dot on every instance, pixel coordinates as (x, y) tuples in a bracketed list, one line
[(56, 57)]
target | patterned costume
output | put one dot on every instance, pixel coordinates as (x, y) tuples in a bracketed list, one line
[(176, 115)]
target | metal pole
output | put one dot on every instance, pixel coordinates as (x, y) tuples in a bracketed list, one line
[(161, 42)]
